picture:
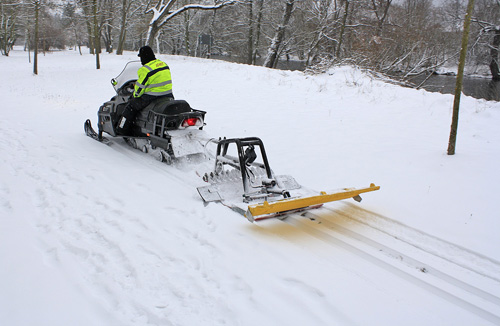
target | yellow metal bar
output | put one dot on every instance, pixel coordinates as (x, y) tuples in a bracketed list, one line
[(284, 205)]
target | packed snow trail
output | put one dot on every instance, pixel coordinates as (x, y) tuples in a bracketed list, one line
[(483, 298)]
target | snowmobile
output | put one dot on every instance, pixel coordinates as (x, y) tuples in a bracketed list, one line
[(166, 128), (241, 179)]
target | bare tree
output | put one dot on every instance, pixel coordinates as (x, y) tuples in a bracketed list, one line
[(72, 24), (187, 29), (106, 23), (129, 11), (342, 28), (257, 28), (86, 7), (276, 43), (381, 11), (9, 13), (250, 37), (406, 37), (314, 28), (495, 46), (164, 10), (123, 22), (487, 44)]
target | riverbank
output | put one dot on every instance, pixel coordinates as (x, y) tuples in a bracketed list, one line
[(476, 83)]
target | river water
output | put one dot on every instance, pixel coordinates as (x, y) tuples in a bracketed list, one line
[(477, 87)]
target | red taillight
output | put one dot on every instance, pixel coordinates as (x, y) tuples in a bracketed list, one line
[(189, 122)]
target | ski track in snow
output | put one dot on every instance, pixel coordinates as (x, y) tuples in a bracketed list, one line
[(478, 294), (458, 255)]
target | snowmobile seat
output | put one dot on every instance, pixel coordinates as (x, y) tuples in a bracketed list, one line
[(168, 106)]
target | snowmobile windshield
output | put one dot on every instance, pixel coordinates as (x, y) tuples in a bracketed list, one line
[(128, 74)]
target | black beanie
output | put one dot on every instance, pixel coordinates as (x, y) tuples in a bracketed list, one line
[(146, 54)]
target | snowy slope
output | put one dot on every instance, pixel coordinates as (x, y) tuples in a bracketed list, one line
[(98, 235)]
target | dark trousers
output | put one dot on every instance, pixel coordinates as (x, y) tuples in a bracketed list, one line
[(134, 106), (139, 103)]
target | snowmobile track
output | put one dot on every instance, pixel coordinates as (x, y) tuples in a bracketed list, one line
[(174, 171), (445, 284)]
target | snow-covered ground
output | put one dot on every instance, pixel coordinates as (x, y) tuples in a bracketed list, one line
[(105, 235)]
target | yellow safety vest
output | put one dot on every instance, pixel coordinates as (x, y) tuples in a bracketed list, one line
[(153, 79)]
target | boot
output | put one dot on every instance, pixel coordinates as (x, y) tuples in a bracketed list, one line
[(124, 126), (126, 122)]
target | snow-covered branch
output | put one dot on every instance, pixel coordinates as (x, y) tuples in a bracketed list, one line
[(195, 6), (163, 12)]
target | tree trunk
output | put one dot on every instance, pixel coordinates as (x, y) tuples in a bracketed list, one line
[(187, 43), (123, 29), (8, 33), (85, 4), (97, 41), (250, 33), (35, 51), (381, 12), (108, 39), (272, 53), (257, 31), (460, 76), (107, 23), (342, 29), (494, 68), (78, 42), (152, 32), (28, 44), (319, 33)]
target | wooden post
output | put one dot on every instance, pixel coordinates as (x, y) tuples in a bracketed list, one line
[(460, 77), (97, 39), (35, 51)]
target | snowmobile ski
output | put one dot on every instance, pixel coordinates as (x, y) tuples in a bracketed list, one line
[(89, 131)]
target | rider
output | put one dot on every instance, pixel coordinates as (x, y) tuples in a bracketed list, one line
[(154, 81)]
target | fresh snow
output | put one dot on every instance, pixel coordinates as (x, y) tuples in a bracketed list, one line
[(105, 235)]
